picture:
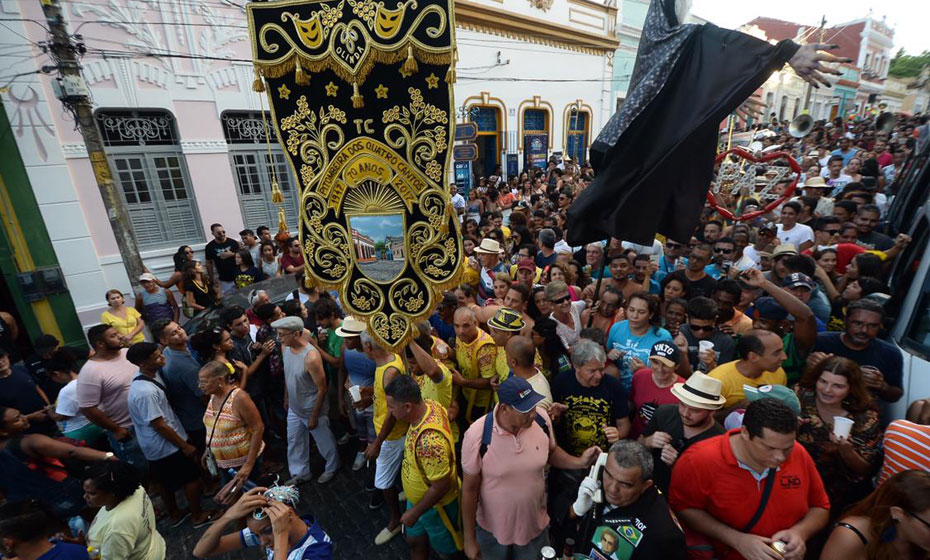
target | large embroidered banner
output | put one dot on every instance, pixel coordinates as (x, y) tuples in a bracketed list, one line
[(361, 98)]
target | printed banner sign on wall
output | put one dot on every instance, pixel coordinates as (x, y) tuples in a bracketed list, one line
[(361, 98)]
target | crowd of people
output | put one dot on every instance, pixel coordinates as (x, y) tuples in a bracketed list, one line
[(718, 396)]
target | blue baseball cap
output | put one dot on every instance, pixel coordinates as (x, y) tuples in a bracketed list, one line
[(767, 308), (518, 393)]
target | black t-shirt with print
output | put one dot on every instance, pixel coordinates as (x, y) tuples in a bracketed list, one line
[(589, 409), (225, 268)]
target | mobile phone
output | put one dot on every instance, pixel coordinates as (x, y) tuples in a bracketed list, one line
[(595, 474)]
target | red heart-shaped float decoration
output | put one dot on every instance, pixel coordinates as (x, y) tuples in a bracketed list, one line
[(742, 153)]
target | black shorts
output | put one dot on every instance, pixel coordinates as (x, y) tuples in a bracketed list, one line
[(174, 471)]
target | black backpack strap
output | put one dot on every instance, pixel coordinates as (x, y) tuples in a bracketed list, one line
[(766, 494), (152, 381), (486, 433), (542, 424)]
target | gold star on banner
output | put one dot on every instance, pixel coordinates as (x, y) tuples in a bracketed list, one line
[(283, 91), (331, 89), (432, 81), (404, 73), (381, 91)]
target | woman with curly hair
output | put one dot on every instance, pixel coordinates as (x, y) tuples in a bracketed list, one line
[(836, 389), (558, 272), (893, 523)]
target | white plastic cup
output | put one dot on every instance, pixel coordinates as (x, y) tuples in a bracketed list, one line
[(705, 346), (842, 426), (356, 393)]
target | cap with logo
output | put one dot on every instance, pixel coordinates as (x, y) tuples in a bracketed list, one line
[(518, 393), (779, 392), (799, 279), (666, 353)]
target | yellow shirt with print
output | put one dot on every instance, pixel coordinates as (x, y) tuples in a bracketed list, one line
[(429, 455), (477, 360), (440, 392), (733, 381)]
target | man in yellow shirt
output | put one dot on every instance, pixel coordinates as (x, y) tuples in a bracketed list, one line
[(476, 356), (388, 448), (762, 354), (428, 474), (505, 324)]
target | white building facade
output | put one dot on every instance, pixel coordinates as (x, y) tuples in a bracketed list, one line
[(172, 85)]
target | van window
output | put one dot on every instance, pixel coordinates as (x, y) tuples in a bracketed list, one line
[(917, 338), (906, 267)]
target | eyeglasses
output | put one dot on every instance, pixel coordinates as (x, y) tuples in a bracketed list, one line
[(562, 299), (704, 328), (673, 245), (919, 518), (723, 251)]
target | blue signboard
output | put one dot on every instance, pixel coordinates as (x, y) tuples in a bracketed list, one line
[(513, 165), (463, 177), (536, 148)]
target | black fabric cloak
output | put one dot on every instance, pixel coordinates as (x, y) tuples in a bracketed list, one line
[(654, 159)]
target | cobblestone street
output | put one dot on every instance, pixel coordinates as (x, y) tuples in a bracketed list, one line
[(341, 506)]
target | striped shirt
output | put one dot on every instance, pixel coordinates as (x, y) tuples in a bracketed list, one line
[(907, 446)]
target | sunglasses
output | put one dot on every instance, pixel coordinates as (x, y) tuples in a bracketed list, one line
[(723, 251), (704, 328), (562, 299), (674, 245), (833, 231)]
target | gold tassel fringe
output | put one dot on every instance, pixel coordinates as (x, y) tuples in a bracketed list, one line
[(282, 220), (357, 100), (410, 65), (259, 84), (450, 75), (300, 77), (276, 195)]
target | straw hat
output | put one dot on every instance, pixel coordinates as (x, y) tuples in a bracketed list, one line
[(700, 391), (350, 327), (489, 246)]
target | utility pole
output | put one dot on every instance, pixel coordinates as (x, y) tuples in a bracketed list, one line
[(807, 97), (73, 93)]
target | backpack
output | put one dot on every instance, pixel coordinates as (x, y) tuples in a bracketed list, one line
[(486, 433)]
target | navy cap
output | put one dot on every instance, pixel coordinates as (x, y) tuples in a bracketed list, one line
[(665, 352), (767, 308), (518, 393), (796, 279)]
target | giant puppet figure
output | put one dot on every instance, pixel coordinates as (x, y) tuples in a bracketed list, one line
[(361, 99), (654, 158)]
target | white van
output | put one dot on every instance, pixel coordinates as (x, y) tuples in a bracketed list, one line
[(909, 309)]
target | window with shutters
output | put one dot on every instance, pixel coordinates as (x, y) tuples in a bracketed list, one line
[(253, 156), (577, 135), (147, 163)]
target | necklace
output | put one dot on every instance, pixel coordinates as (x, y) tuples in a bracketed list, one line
[(199, 286)]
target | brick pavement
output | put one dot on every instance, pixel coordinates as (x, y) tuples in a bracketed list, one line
[(341, 506)]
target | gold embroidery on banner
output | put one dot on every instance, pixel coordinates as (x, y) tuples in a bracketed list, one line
[(411, 128)]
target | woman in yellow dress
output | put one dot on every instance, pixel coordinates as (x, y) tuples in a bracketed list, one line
[(126, 320)]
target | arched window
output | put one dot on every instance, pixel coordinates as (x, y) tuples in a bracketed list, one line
[(145, 155), (488, 120), (577, 125), (252, 165), (535, 137)]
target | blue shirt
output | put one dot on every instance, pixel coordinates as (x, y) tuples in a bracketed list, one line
[(65, 551), (148, 402), (620, 338), (361, 368), (444, 330), (847, 155), (666, 267), (180, 377), (314, 545)]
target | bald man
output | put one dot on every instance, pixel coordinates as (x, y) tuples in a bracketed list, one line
[(521, 353), (475, 354)]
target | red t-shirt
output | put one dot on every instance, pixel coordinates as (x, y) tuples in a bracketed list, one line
[(287, 260), (646, 399), (707, 477), (844, 254)]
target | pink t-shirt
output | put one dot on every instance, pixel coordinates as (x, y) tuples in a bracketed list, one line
[(106, 386), (512, 498), (647, 397)]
